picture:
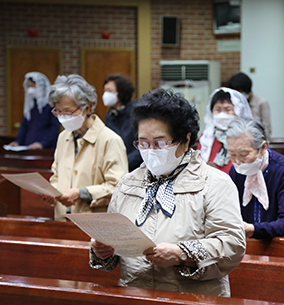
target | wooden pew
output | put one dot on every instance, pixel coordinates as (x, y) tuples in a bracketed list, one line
[(6, 140), (29, 290), (28, 226), (257, 277), (39, 158), (10, 196), (32, 152), (40, 228), (26, 161), (279, 147), (274, 247), (51, 258), (20, 201)]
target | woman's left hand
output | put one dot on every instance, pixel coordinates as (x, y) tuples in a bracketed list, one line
[(164, 255), (249, 228), (69, 197), (35, 145)]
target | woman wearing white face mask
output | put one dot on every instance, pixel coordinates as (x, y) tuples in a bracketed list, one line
[(118, 91), (225, 104), (39, 128), (89, 158), (179, 202), (258, 173)]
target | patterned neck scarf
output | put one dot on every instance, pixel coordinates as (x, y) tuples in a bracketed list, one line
[(255, 185), (159, 193), (222, 156)]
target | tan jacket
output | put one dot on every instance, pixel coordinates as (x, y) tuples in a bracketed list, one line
[(260, 110), (99, 165), (207, 210)]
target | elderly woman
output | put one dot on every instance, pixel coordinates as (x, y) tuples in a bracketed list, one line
[(225, 104), (89, 158), (179, 202), (258, 173), (39, 128), (118, 91)]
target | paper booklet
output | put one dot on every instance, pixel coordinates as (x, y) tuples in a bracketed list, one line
[(115, 230), (15, 148), (33, 182)]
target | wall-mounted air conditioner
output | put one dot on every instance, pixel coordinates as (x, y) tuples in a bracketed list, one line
[(195, 79)]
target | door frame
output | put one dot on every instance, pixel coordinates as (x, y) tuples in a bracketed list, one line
[(9, 48), (130, 51), (133, 68)]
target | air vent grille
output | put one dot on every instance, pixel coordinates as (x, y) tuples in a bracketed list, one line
[(175, 72)]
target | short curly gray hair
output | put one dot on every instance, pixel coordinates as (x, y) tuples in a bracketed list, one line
[(75, 87), (243, 126)]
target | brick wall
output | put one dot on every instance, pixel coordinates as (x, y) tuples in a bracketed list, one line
[(197, 41), (74, 27), (67, 27)]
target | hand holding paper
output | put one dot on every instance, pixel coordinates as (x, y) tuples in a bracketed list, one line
[(34, 183), (115, 230)]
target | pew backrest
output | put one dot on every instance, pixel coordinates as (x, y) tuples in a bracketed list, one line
[(257, 277), (274, 247), (41, 228), (28, 290)]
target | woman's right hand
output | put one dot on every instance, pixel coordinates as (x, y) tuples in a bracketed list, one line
[(101, 250), (48, 199), (14, 143)]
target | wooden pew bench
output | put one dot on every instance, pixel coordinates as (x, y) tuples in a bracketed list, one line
[(257, 277), (51, 258), (40, 228), (29, 290), (10, 197), (20, 201), (274, 247), (26, 161), (23, 290), (29, 226)]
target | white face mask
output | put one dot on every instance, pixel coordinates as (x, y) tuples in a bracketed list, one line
[(249, 169), (72, 123), (31, 91), (110, 99), (222, 120), (161, 161)]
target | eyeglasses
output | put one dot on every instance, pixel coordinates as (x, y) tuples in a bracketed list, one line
[(159, 144), (55, 112), (227, 111)]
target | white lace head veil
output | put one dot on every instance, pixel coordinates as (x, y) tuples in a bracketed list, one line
[(241, 108), (42, 92)]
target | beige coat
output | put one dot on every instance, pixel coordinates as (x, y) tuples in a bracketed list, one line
[(99, 165), (207, 210), (260, 110)]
